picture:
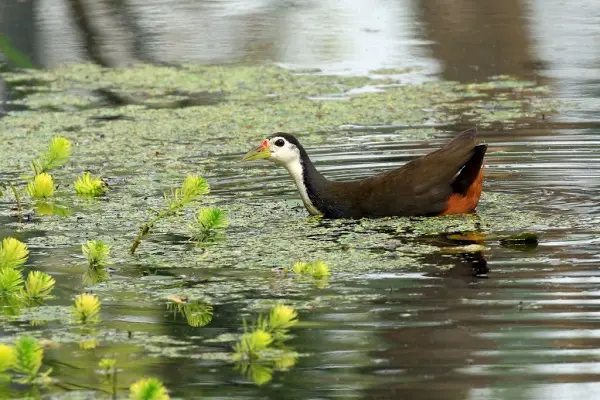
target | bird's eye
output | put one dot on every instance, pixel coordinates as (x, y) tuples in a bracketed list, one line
[(279, 143)]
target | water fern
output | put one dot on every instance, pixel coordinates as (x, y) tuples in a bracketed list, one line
[(28, 357), (88, 185), (207, 221), (7, 357), (96, 253), (148, 389), (13, 253), (41, 187), (87, 308), (58, 153), (38, 286), (176, 200), (11, 281)]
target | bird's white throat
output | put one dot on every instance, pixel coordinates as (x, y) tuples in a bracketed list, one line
[(296, 171)]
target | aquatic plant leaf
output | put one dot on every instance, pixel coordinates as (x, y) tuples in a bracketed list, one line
[(41, 187), (148, 389), (286, 361), (38, 286), (207, 221), (197, 314), (107, 364), (317, 269), (11, 281), (29, 357), (259, 374), (87, 308), (59, 151), (251, 344), (282, 317), (88, 185), (13, 253), (7, 357), (192, 188), (96, 253)]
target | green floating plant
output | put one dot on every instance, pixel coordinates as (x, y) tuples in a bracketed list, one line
[(107, 365), (87, 308), (13, 253), (317, 269), (88, 185), (148, 389), (11, 282), (258, 373), (268, 329), (58, 153), (261, 348), (28, 359), (41, 187), (207, 222), (96, 253), (192, 188), (196, 314), (7, 357), (38, 287)]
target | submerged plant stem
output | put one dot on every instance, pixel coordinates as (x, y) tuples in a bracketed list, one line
[(18, 199), (144, 230)]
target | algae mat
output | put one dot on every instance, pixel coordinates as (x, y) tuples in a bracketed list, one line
[(145, 128)]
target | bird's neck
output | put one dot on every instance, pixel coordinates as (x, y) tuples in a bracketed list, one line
[(310, 183)]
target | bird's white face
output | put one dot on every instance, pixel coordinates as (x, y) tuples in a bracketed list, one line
[(283, 152), (277, 149)]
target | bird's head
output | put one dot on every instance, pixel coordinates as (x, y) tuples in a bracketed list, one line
[(282, 148)]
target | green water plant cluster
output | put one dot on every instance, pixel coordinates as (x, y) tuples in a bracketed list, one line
[(262, 348), (97, 254), (14, 289), (191, 190), (207, 223), (86, 309), (195, 313), (148, 389), (88, 185), (317, 271), (23, 361)]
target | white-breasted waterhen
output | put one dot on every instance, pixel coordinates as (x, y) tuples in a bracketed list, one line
[(446, 181)]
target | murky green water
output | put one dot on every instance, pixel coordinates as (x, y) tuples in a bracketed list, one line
[(401, 316)]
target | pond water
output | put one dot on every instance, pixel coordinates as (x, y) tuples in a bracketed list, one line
[(402, 315)]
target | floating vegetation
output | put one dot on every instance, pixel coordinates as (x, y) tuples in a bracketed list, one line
[(58, 153), (11, 281), (88, 185), (109, 369), (148, 389), (28, 359), (317, 269), (207, 222), (38, 287), (261, 348), (13, 253), (96, 253), (196, 313), (41, 187), (14, 289), (87, 308), (192, 189)]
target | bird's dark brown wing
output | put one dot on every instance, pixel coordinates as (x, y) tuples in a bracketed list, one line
[(420, 187)]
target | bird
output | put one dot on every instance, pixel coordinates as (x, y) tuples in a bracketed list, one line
[(448, 180)]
